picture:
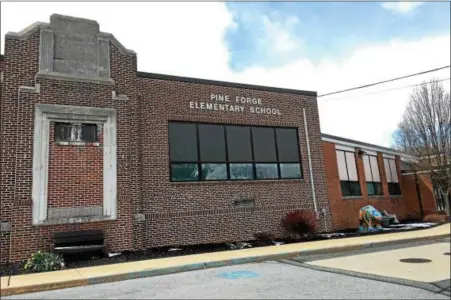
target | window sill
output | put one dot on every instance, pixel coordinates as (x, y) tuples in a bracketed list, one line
[(75, 220), (352, 197), (63, 143), (396, 196), (258, 181), (376, 197)]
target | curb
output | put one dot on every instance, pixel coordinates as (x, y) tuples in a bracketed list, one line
[(206, 265), (406, 282)]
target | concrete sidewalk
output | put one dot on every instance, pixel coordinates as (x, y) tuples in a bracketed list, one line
[(11, 285)]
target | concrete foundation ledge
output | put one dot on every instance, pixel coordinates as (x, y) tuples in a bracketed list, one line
[(131, 270)]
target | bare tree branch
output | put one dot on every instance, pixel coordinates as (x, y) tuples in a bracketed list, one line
[(425, 133)]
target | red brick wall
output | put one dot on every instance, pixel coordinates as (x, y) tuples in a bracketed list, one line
[(427, 195), (4, 235), (17, 117), (200, 212), (19, 69), (345, 211), (75, 174)]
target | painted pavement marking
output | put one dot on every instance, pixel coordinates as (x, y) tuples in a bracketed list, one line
[(239, 275)]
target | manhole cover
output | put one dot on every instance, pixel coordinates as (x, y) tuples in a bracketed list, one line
[(446, 253), (415, 260)]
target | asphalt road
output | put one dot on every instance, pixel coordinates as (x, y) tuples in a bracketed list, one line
[(267, 280)]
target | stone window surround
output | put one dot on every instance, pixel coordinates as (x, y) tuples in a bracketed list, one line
[(44, 113)]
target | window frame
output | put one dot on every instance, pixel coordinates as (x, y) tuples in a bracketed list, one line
[(391, 185), (372, 182), (349, 182), (227, 161)]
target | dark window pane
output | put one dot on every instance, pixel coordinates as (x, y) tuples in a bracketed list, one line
[(212, 143), (345, 189), (266, 171), (370, 187), (183, 142), (184, 172), (290, 170), (239, 144), (398, 189), (355, 188), (89, 133), (214, 171), (62, 131), (378, 188), (390, 188), (241, 171), (264, 144), (350, 188), (394, 188), (287, 145)]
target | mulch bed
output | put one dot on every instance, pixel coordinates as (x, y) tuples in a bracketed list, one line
[(98, 259)]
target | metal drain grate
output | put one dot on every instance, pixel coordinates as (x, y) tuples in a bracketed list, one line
[(415, 260), (446, 253)]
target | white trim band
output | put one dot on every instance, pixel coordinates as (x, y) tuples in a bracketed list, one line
[(344, 148)]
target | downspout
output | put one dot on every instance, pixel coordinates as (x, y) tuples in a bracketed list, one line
[(310, 162), (419, 195)]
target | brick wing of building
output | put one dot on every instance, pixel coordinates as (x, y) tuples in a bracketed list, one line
[(360, 174), (88, 142)]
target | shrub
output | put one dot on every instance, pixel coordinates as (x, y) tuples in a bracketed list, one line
[(44, 262), (264, 236), (300, 222)]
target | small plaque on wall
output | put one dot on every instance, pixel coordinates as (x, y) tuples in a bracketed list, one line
[(247, 202)]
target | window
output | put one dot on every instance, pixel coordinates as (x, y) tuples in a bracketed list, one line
[(347, 171), (239, 147), (372, 175), (288, 151), (392, 176), (183, 152), (75, 132), (231, 152), (212, 152)]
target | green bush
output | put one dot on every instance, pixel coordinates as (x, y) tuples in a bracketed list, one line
[(44, 262)]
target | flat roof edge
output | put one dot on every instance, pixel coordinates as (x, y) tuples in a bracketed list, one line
[(226, 84), (325, 136)]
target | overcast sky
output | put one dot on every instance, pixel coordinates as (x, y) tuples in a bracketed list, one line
[(310, 46)]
